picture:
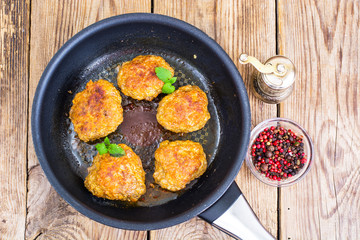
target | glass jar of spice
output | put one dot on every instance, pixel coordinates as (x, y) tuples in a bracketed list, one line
[(274, 81)]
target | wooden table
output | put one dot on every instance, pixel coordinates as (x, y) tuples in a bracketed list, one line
[(321, 37)]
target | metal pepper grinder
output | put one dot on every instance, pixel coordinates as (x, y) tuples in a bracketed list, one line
[(274, 81)]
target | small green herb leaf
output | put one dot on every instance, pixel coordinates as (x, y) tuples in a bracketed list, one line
[(171, 80), (101, 147), (168, 88), (115, 150), (165, 75), (107, 141), (162, 73)]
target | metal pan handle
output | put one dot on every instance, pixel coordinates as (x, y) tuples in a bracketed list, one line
[(233, 215)]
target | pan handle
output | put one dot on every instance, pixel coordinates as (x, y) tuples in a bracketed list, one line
[(233, 215)]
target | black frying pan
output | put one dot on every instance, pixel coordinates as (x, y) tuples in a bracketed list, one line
[(95, 53)]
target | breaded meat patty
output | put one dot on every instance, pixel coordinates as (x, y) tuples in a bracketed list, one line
[(96, 111), (178, 163), (185, 110), (137, 78), (117, 178)]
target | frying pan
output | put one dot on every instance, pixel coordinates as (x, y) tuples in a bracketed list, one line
[(94, 53)]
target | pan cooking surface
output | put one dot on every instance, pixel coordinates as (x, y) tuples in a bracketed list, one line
[(95, 52), (140, 129)]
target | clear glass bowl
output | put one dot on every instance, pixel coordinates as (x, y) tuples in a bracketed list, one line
[(308, 150)]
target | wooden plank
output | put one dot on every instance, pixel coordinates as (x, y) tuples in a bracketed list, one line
[(52, 23), (238, 26), (254, 33), (14, 45), (323, 39)]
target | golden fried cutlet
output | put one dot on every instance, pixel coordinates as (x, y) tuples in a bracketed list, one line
[(117, 178), (185, 110), (96, 111), (177, 163), (137, 78)]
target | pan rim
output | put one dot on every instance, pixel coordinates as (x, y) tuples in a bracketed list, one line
[(123, 19)]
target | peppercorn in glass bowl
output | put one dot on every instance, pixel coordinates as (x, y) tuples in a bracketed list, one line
[(280, 152)]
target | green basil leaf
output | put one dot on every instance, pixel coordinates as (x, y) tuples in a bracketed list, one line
[(172, 80), (115, 150), (168, 88), (162, 73), (101, 147), (107, 141)]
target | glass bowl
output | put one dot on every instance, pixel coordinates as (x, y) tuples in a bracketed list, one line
[(299, 131)]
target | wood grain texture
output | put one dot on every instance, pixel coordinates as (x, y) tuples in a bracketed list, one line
[(252, 31), (52, 23), (14, 45), (323, 40), (321, 37), (238, 26)]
